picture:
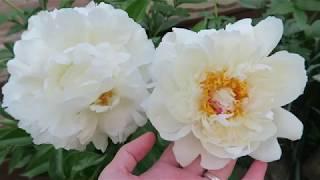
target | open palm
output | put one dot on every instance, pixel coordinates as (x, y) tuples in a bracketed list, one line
[(167, 167)]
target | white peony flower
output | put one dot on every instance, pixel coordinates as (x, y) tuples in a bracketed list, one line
[(219, 95), (77, 77)]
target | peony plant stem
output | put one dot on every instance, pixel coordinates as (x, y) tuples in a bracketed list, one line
[(13, 6), (215, 10)]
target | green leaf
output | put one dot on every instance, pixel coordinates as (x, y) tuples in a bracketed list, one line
[(41, 169), (76, 162), (137, 9), (17, 137), (301, 18), (156, 41), (66, 3), (96, 173), (179, 2), (19, 158), (9, 46), (312, 68), (15, 29), (169, 11), (316, 110), (43, 154), (56, 166), (308, 5), (200, 25), (86, 160), (315, 29), (5, 55), (315, 57), (218, 22), (8, 122), (282, 7), (2, 111), (253, 4), (168, 24), (3, 18), (19, 141), (4, 131), (4, 151), (291, 27), (295, 46), (316, 77), (43, 4)]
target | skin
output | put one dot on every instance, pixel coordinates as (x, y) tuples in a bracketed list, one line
[(167, 168)]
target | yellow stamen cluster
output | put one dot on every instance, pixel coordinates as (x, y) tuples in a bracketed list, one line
[(104, 99), (215, 81)]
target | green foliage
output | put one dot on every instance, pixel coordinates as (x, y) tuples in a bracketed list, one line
[(308, 5), (253, 4), (43, 4), (163, 16), (280, 7), (315, 29), (66, 3), (17, 148), (301, 35), (179, 2), (136, 9), (213, 22)]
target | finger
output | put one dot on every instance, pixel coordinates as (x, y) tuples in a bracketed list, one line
[(256, 171), (195, 167), (133, 152), (225, 172), (168, 156)]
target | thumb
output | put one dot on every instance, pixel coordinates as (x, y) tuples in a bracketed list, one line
[(130, 154)]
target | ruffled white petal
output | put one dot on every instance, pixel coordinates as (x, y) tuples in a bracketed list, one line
[(168, 127), (268, 33), (187, 149), (184, 35), (278, 85), (100, 141), (118, 123), (243, 26), (211, 162), (288, 125), (219, 152), (268, 151)]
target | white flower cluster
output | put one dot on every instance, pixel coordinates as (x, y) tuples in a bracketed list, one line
[(81, 75)]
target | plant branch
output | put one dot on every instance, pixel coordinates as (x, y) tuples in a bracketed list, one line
[(215, 8), (13, 6)]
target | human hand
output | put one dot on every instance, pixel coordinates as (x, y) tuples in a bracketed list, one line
[(167, 168)]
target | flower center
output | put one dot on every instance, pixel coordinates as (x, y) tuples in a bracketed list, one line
[(222, 94), (105, 102), (104, 99)]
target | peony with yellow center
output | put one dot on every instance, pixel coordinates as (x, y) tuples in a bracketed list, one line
[(218, 93)]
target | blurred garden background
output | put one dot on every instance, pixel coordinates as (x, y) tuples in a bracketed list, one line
[(20, 159)]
